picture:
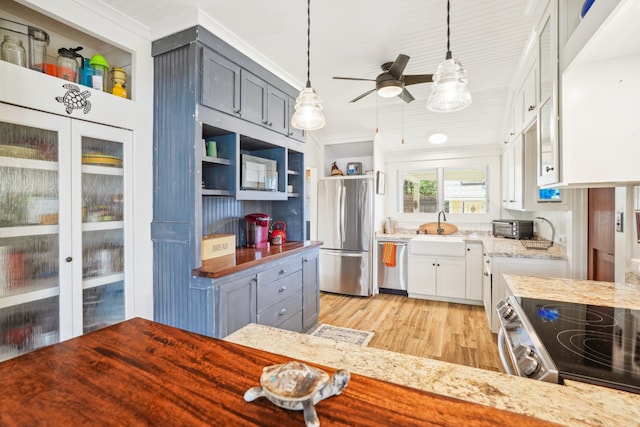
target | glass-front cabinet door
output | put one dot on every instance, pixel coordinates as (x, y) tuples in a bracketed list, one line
[(35, 222), (101, 201), (64, 234)]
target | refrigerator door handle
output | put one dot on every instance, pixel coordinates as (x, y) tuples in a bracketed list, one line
[(343, 194), (343, 253)]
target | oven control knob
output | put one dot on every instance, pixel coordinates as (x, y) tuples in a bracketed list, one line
[(506, 311), (529, 365)]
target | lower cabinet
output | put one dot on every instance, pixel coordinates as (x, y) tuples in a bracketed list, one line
[(520, 266), (441, 277), (282, 294), (310, 291), (473, 276)]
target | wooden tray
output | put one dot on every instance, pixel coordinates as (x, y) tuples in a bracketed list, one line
[(432, 228)]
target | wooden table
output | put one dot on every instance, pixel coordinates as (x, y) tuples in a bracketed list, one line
[(144, 373)]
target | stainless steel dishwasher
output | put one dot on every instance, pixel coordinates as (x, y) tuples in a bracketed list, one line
[(393, 280)]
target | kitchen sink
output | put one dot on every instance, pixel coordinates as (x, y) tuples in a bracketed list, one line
[(429, 244)]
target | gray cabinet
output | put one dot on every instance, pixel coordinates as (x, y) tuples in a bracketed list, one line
[(220, 82), (310, 290), (199, 95), (253, 91), (237, 304), (282, 293), (278, 111)]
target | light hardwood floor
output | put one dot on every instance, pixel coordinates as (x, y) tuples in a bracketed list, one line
[(455, 333)]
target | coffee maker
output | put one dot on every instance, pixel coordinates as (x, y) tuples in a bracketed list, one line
[(256, 230)]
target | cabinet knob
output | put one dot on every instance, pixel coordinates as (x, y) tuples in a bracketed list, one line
[(282, 289), (68, 259), (282, 271), (305, 260), (548, 168), (486, 274), (289, 133), (282, 311), (237, 111), (468, 249), (438, 265), (531, 107), (488, 262), (434, 264)]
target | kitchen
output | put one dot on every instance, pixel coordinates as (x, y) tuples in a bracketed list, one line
[(566, 222)]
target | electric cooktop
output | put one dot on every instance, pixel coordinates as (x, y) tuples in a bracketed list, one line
[(589, 343)]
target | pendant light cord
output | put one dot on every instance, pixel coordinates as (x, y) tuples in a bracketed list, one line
[(448, 31), (308, 43)]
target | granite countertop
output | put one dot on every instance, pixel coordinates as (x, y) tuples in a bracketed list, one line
[(572, 404), (609, 294), (493, 246)]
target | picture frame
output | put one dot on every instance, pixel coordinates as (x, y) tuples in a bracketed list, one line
[(381, 183)]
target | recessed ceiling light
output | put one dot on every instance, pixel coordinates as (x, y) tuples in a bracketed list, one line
[(438, 138)]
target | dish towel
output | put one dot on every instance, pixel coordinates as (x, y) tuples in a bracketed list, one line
[(389, 254)]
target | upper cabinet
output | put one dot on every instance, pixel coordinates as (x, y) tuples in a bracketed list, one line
[(600, 86), (220, 83), (548, 169)]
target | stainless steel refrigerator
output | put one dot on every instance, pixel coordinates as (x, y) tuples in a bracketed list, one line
[(345, 226)]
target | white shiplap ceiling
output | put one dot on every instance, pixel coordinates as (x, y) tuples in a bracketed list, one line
[(353, 38)]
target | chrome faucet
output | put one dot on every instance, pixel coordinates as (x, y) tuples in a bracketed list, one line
[(440, 230), (553, 229)]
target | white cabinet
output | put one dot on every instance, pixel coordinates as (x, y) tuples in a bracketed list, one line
[(473, 272), (522, 266), (440, 277), (64, 230), (513, 174), (529, 98), (600, 89)]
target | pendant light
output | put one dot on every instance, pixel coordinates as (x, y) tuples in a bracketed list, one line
[(449, 92), (308, 114)]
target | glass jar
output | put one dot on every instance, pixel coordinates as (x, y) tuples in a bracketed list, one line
[(13, 51)]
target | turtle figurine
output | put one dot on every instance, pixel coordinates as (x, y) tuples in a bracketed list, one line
[(74, 99), (296, 386)]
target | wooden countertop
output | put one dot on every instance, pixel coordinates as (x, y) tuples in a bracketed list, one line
[(140, 372), (249, 257)]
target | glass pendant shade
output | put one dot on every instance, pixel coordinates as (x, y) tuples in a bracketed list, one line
[(308, 114), (449, 92)]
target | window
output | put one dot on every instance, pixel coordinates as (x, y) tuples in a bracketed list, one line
[(458, 190)]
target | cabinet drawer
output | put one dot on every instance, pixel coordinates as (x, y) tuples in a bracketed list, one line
[(278, 290), (283, 269), (281, 311), (294, 323)]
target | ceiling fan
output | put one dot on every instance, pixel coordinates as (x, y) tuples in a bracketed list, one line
[(392, 82)]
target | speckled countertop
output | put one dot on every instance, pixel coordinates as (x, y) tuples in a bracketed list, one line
[(493, 246), (609, 294), (572, 404)]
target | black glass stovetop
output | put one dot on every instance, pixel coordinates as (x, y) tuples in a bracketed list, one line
[(589, 343)]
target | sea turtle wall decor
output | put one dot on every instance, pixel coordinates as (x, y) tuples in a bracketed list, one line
[(297, 386), (74, 99)]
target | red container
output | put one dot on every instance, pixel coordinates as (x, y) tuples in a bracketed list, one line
[(256, 230)]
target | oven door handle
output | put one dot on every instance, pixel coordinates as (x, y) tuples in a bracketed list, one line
[(503, 357)]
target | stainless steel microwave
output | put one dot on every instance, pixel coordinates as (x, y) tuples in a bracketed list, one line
[(513, 229)]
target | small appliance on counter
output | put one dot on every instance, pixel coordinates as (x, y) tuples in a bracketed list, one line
[(256, 230), (278, 232), (354, 168), (512, 229)]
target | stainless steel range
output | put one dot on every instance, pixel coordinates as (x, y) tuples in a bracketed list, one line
[(553, 341)]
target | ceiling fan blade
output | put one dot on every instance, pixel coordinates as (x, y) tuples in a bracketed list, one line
[(362, 96), (354, 78), (418, 78), (398, 66), (406, 96)]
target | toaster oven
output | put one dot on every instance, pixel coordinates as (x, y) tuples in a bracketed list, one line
[(513, 229)]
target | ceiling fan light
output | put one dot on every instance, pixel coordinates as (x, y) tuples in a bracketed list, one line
[(389, 91), (308, 114), (449, 92)]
